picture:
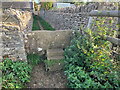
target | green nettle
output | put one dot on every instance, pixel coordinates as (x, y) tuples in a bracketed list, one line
[(15, 74), (89, 63)]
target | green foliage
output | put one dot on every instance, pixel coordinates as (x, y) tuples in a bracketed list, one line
[(35, 24), (15, 74), (34, 59), (78, 78), (35, 6), (89, 63), (45, 25), (46, 5)]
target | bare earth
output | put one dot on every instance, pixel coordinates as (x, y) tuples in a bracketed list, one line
[(43, 79)]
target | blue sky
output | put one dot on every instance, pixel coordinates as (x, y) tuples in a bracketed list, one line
[(36, 1)]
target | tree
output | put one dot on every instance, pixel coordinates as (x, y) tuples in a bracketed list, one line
[(46, 5)]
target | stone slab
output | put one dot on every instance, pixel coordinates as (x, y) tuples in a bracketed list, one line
[(48, 39), (53, 65), (55, 52)]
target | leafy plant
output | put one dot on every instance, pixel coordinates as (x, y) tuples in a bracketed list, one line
[(91, 57), (15, 74), (46, 5)]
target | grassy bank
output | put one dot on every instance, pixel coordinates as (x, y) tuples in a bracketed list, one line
[(45, 25), (35, 24)]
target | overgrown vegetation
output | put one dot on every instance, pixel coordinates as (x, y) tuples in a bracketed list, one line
[(34, 59), (89, 62), (35, 23), (45, 25), (15, 74), (46, 5)]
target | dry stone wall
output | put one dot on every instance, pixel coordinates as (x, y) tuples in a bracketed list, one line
[(13, 46), (74, 18), (14, 23)]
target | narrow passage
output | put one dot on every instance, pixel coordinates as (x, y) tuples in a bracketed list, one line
[(42, 79)]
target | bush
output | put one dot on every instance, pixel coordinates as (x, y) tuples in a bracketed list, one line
[(88, 63), (15, 74), (46, 5)]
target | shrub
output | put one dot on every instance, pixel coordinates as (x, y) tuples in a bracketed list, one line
[(88, 63), (46, 5), (15, 74)]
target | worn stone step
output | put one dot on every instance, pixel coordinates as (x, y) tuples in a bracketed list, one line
[(55, 58), (55, 52), (54, 65)]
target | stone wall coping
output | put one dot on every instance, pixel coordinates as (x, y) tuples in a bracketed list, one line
[(52, 31)]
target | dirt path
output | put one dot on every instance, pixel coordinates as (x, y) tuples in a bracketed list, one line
[(43, 79)]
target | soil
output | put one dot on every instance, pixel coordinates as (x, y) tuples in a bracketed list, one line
[(41, 78)]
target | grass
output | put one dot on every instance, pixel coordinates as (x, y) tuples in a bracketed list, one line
[(35, 24), (45, 25), (34, 59)]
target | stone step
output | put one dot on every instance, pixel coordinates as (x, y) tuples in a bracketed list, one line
[(55, 58), (54, 65), (55, 52)]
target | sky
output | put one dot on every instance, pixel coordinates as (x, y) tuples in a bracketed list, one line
[(36, 1)]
